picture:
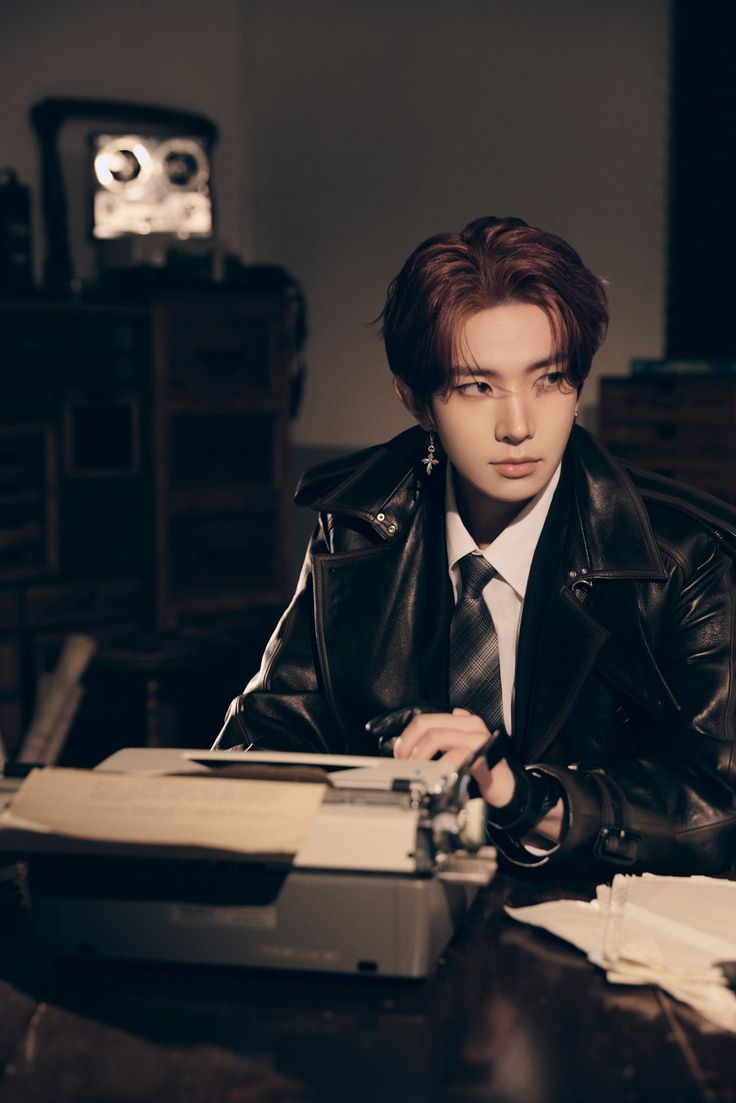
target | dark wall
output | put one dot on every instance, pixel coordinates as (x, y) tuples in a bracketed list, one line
[(702, 224)]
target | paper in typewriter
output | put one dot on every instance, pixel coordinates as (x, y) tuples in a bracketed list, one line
[(233, 815)]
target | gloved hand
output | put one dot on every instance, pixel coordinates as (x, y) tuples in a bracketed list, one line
[(535, 792), (388, 726)]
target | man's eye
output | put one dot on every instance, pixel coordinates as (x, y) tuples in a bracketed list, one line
[(477, 387), (550, 379)]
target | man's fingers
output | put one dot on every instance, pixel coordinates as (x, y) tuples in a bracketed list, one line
[(428, 743), (456, 756), (460, 724)]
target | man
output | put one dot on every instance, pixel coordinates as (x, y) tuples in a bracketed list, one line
[(495, 568)]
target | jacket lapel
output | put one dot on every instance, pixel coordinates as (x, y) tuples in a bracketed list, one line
[(597, 533), (382, 617), (558, 642), (567, 647)]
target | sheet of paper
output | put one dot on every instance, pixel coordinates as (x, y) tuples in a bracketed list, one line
[(346, 771), (707, 904), (669, 931), (247, 817), (691, 929), (580, 922), (637, 934)]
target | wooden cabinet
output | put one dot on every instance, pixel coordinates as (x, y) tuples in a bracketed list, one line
[(143, 468), (678, 425), (220, 454)]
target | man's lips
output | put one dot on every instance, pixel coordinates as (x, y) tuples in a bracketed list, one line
[(516, 468)]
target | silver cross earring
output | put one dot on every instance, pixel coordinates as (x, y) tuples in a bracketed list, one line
[(430, 460)]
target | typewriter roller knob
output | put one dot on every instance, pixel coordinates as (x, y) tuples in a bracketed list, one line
[(472, 833)]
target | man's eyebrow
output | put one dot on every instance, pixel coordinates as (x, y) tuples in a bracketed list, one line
[(493, 373)]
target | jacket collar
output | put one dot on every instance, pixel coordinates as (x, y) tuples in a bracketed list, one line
[(612, 539), (381, 485), (617, 540)]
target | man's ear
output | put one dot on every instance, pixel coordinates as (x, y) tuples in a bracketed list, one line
[(418, 409)]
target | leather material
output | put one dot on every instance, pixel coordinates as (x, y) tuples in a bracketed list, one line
[(624, 688)]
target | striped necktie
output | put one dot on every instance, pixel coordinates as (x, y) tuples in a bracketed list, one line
[(475, 676)]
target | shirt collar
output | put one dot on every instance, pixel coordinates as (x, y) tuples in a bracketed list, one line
[(512, 551)]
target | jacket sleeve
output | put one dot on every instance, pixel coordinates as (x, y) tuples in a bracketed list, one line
[(283, 707), (671, 808)]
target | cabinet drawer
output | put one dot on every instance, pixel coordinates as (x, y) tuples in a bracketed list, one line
[(218, 451), (668, 399), (222, 555), (218, 354), (78, 347), (672, 442), (83, 601), (100, 371), (70, 331)]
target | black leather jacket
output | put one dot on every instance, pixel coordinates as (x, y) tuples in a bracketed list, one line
[(625, 667)]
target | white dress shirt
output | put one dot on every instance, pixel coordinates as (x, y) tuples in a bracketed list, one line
[(511, 555)]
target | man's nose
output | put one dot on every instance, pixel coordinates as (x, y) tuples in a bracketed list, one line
[(514, 421)]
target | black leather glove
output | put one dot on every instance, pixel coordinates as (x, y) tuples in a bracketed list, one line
[(388, 726)]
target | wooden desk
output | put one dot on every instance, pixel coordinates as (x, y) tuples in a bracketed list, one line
[(512, 1016)]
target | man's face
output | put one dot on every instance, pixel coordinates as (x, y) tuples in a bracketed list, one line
[(509, 413)]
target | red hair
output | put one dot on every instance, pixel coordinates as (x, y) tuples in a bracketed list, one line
[(450, 277)]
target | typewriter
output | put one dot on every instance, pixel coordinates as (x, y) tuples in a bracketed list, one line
[(257, 859)]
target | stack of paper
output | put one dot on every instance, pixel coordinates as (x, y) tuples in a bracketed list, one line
[(675, 932)]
